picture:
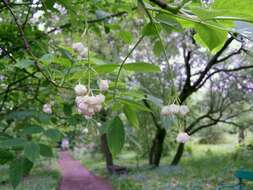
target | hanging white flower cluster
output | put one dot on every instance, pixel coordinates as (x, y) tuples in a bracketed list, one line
[(183, 137), (174, 109), (47, 108), (80, 49), (103, 85), (88, 105)]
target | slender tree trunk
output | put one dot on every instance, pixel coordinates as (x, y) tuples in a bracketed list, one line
[(104, 145), (241, 135), (157, 147), (178, 155), (106, 151)]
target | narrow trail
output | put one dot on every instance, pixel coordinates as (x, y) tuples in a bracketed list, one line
[(74, 176)]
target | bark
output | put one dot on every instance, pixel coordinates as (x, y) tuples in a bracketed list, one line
[(241, 135), (156, 150), (104, 145), (106, 151), (114, 169), (178, 155), (157, 147)]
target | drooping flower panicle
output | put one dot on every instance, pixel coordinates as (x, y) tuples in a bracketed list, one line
[(174, 109), (88, 105)]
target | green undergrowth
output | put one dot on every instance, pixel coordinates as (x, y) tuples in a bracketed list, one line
[(202, 168), (44, 176)]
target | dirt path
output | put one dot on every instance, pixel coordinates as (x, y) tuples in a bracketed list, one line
[(77, 177)]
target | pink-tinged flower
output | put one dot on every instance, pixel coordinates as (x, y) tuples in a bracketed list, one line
[(100, 98), (183, 137), (80, 90), (103, 85), (89, 105), (80, 49), (47, 108)]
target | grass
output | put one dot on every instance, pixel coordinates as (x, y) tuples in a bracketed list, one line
[(43, 177), (202, 169)]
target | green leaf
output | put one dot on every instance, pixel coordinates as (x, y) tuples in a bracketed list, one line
[(67, 109), (53, 134), (32, 129), (168, 22), (16, 172), (5, 156), (131, 115), (12, 143), (32, 151), (27, 166), (106, 68), (141, 67), (18, 168), (21, 115), (242, 8), (115, 135), (157, 101), (210, 37), (62, 61), (47, 58), (134, 105), (66, 52), (158, 48), (126, 36), (46, 151), (151, 29), (24, 63)]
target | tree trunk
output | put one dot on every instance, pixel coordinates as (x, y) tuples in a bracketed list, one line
[(178, 155), (157, 147), (241, 135), (106, 151)]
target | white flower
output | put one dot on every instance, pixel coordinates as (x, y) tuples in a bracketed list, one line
[(82, 106), (174, 108), (60, 8), (98, 107), (100, 98), (170, 109), (89, 105), (2, 77), (85, 130), (183, 137), (165, 110), (92, 100), (80, 90), (183, 110), (47, 108), (103, 85), (80, 49)]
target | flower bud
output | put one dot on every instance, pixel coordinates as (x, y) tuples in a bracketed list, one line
[(80, 90), (183, 137), (103, 85)]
